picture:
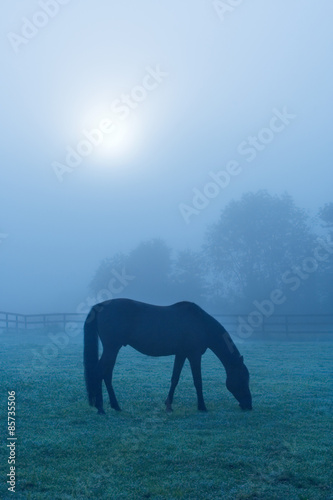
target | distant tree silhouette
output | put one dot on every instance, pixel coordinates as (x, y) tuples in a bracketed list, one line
[(255, 241), (188, 277), (154, 275), (258, 244), (325, 278), (326, 215), (104, 273), (148, 268), (150, 263)]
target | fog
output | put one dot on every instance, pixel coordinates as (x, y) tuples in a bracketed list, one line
[(138, 124)]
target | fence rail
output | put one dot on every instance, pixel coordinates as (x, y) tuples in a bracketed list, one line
[(277, 325), (35, 321), (242, 326)]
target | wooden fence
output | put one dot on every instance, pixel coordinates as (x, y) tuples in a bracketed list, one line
[(35, 321), (291, 326), (279, 326)]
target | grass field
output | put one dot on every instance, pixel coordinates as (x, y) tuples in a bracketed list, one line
[(280, 450)]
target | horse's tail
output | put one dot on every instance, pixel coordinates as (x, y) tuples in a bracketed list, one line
[(90, 355)]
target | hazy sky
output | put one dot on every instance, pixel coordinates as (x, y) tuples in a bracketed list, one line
[(180, 91)]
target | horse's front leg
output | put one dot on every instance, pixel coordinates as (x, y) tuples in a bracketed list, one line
[(195, 362), (177, 368)]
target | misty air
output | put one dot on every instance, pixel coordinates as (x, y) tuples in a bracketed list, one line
[(166, 250)]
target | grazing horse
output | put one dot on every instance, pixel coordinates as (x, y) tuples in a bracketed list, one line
[(182, 329)]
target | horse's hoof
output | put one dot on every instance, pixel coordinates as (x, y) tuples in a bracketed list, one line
[(117, 408), (169, 409), (100, 412), (204, 410)]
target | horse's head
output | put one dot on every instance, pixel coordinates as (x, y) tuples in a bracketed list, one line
[(238, 384)]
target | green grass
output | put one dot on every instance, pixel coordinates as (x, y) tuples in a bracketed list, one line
[(280, 450)]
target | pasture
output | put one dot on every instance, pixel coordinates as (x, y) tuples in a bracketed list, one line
[(280, 450)]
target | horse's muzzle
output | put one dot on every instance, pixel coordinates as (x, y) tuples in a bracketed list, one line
[(246, 406)]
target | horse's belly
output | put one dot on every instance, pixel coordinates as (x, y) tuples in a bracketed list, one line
[(155, 347)]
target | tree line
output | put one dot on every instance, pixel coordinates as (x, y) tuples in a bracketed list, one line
[(260, 245)]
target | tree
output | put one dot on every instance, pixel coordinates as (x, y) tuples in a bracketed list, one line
[(144, 273), (150, 263), (325, 277), (256, 240), (104, 272), (188, 277), (326, 215)]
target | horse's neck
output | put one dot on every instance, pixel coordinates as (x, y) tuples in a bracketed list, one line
[(225, 350)]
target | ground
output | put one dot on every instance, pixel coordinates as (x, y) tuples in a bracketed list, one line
[(64, 450)]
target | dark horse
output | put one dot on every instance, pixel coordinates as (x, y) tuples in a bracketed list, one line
[(182, 329)]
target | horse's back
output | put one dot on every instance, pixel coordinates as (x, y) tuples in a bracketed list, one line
[(153, 330)]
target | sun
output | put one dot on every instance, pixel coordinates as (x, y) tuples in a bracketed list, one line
[(118, 143), (112, 139)]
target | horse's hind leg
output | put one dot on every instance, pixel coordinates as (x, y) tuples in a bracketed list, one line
[(177, 368), (108, 363), (99, 392)]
